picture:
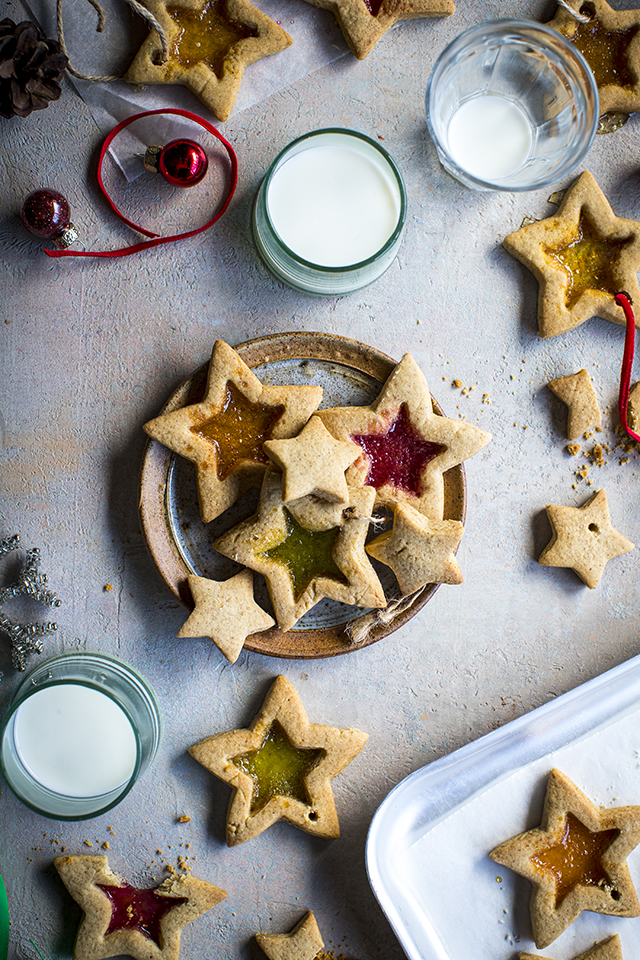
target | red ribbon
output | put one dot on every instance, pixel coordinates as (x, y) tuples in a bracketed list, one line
[(157, 241), (623, 300)]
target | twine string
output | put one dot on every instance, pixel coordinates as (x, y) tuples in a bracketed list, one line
[(580, 17), (360, 630)]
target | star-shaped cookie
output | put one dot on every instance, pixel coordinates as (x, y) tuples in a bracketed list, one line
[(419, 550), (313, 463), (406, 447), (304, 942), (583, 539), (225, 612), (121, 920), (576, 390), (301, 565), (609, 949), (224, 433), (210, 44), (576, 859), (610, 43), (364, 22), (581, 256), (280, 768)]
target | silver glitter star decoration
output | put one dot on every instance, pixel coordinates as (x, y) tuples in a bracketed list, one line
[(25, 637)]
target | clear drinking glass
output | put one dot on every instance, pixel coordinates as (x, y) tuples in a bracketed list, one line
[(511, 105)]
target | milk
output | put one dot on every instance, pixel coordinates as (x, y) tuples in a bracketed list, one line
[(75, 740), (333, 205), (489, 137)]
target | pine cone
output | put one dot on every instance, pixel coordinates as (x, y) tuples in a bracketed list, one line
[(31, 66)]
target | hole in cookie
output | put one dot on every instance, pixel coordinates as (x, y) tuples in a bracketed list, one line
[(615, 895), (157, 59), (589, 261), (604, 50), (576, 859), (587, 10), (373, 6), (206, 36), (594, 528), (314, 816)]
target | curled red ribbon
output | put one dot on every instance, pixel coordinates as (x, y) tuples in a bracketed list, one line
[(157, 240), (623, 300)]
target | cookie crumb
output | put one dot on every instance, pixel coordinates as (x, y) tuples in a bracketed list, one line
[(184, 819), (107, 587), (573, 449), (456, 383)]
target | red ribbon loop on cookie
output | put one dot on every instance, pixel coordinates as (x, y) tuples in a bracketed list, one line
[(623, 300), (157, 240)]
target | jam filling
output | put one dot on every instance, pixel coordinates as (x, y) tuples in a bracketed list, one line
[(398, 456), (307, 554), (206, 36), (238, 431), (606, 52), (588, 261), (142, 910), (277, 768), (373, 6), (576, 859)]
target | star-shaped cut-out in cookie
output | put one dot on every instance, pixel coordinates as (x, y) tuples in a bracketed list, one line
[(364, 22), (576, 859), (304, 942), (609, 949), (122, 920), (406, 447), (313, 463), (280, 768), (226, 612), (224, 433), (583, 539), (301, 565), (419, 550), (610, 43), (581, 256), (210, 42), (576, 390)]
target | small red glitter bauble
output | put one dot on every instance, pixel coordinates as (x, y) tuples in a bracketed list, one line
[(45, 213), (183, 163)]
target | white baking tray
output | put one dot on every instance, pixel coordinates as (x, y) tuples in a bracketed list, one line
[(428, 844)]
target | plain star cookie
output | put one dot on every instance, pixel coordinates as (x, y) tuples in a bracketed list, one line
[(406, 447), (225, 612), (609, 949), (280, 768), (304, 942), (210, 44), (583, 539), (581, 256), (122, 920), (224, 433), (575, 859), (419, 550), (576, 390)]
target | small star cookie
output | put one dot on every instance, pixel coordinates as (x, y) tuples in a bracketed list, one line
[(583, 539), (280, 768), (609, 949), (575, 859), (581, 256), (225, 612), (121, 920), (303, 943), (419, 550), (224, 433), (210, 44), (313, 463), (576, 390), (406, 447)]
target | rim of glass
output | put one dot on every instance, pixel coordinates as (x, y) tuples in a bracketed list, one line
[(348, 268), (525, 28)]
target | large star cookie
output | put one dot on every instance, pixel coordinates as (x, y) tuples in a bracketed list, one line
[(224, 433), (419, 550), (210, 44), (406, 447), (610, 43), (122, 920), (576, 390), (280, 768), (575, 859), (581, 256), (609, 949), (225, 612), (304, 942), (302, 565), (583, 539)]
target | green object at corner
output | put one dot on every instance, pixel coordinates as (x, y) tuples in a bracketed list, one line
[(4, 922)]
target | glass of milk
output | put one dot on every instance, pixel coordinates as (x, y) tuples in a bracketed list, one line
[(511, 105), (329, 214), (79, 732)]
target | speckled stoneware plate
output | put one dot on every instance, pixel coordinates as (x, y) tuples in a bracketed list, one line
[(180, 543)]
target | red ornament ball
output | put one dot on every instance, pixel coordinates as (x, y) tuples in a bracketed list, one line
[(183, 163), (45, 213)]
